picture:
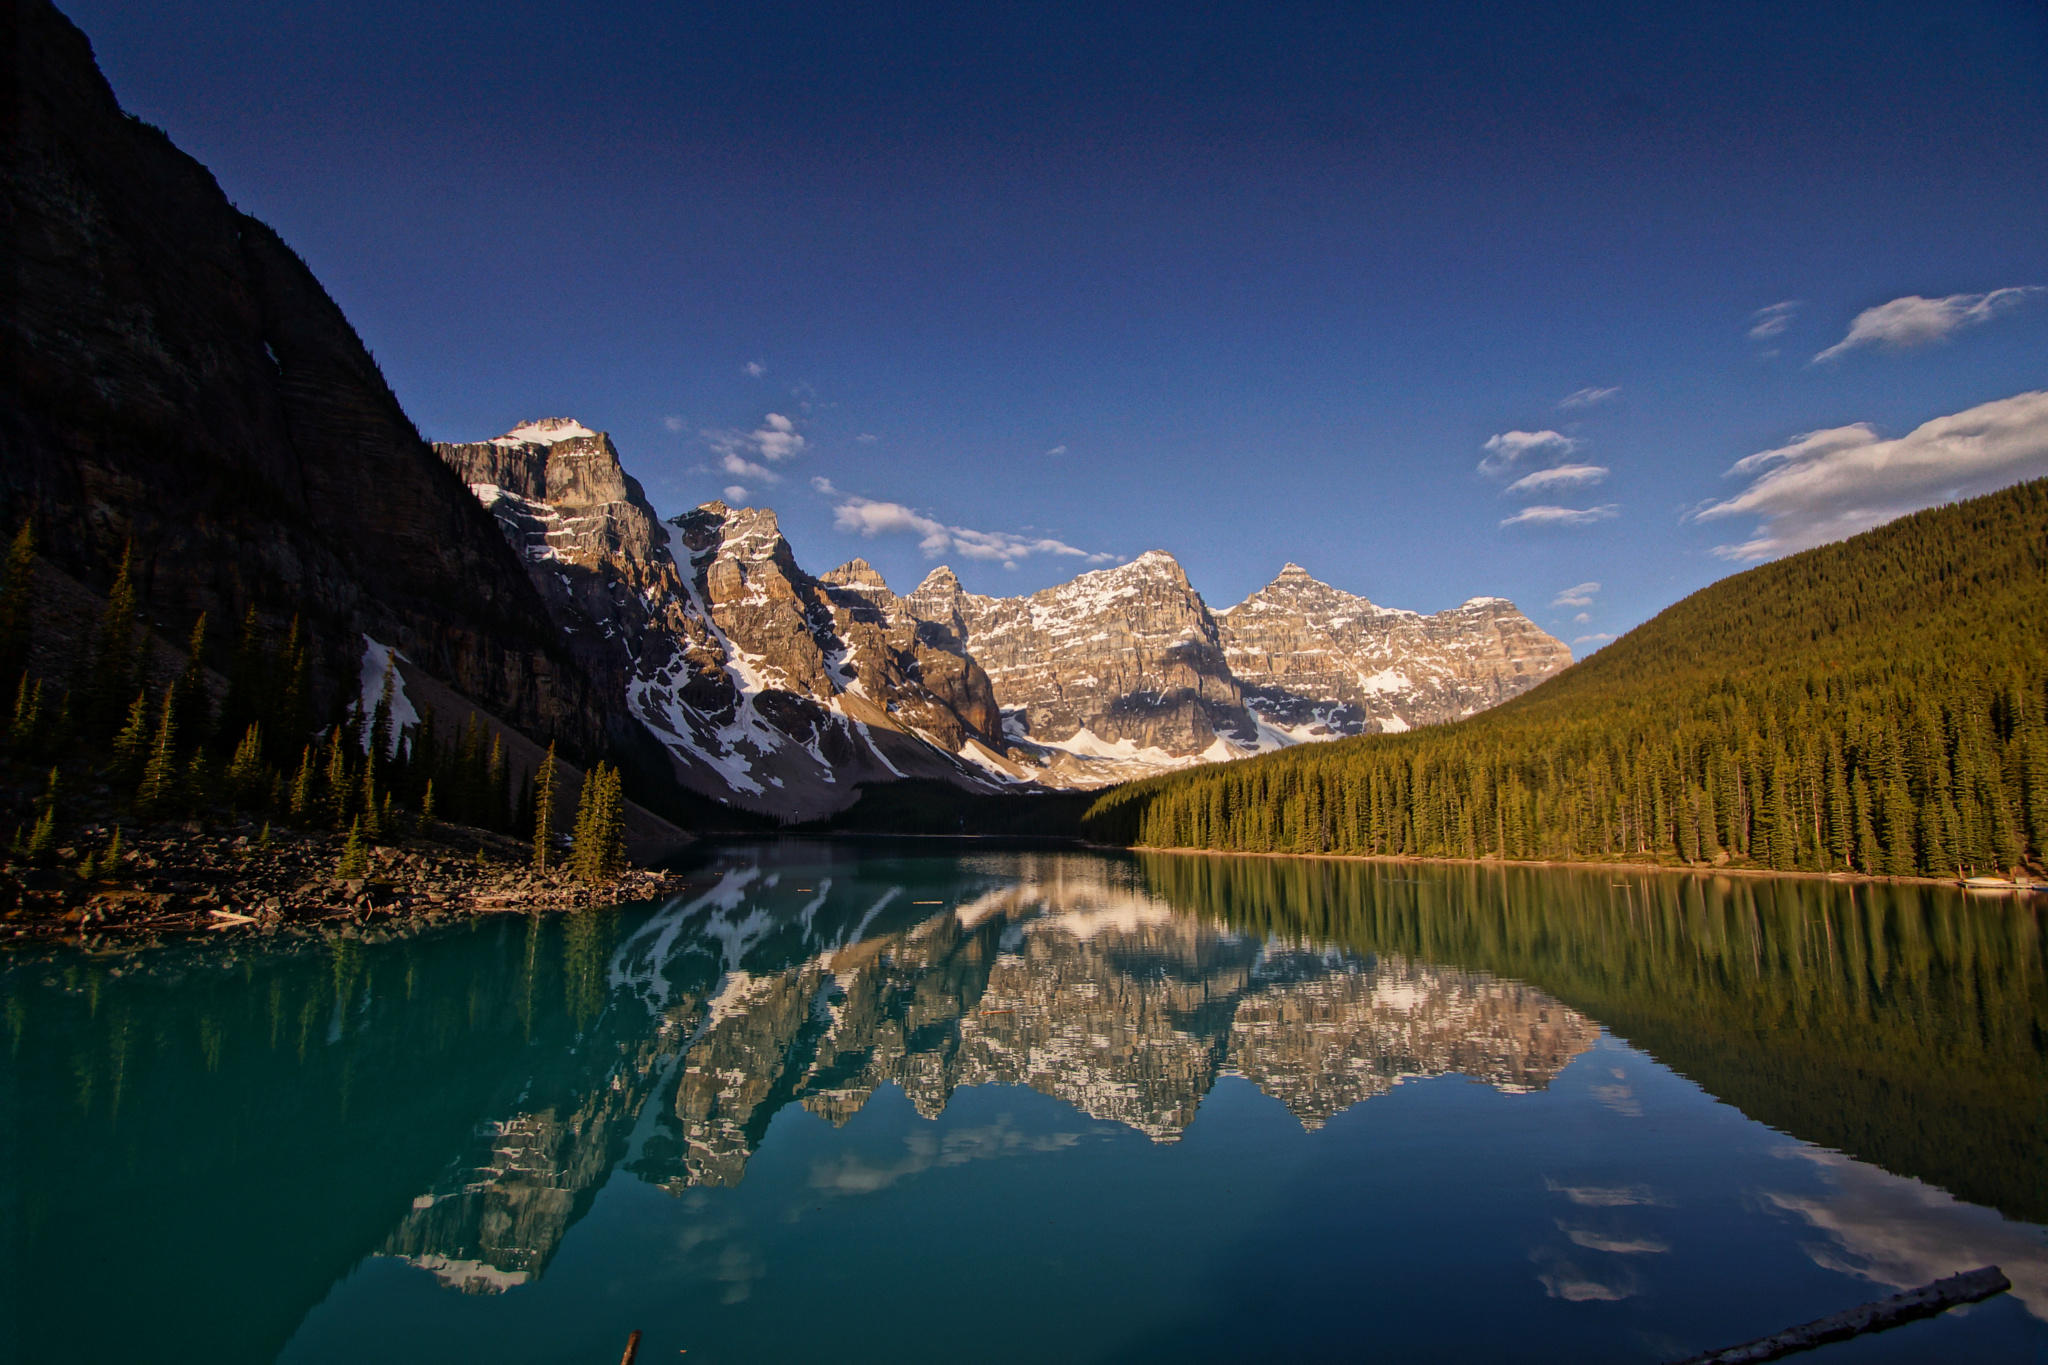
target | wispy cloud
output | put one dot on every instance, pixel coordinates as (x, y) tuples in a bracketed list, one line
[(1606, 1196), (754, 369), (824, 485), (1916, 321), (1768, 322), (674, 422), (1544, 515), (1825, 485), (1593, 1239), (1559, 476), (739, 466), (735, 493), (747, 454), (1577, 595), (1588, 396), (867, 438), (868, 517), (1057, 450), (1510, 448), (1590, 640)]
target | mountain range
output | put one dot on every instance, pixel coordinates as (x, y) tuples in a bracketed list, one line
[(781, 691)]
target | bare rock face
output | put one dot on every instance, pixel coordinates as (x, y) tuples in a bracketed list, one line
[(1320, 661), (1127, 655), (782, 692), (921, 667), (761, 685)]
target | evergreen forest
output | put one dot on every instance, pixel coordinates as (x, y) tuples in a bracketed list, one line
[(123, 736), (1878, 705)]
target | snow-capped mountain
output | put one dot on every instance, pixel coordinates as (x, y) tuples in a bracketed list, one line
[(1310, 655), (782, 692), (764, 686)]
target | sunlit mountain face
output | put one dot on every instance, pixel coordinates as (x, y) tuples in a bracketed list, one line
[(1106, 1078)]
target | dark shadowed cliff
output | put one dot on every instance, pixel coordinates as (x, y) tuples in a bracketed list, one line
[(172, 374)]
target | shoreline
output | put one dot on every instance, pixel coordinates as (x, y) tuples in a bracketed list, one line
[(1689, 870), (185, 882)]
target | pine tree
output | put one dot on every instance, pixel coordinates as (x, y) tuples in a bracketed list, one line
[(380, 721), (335, 787), (245, 769), (25, 721), (304, 798), (544, 811), (190, 687), (600, 852), (291, 715), (369, 819), (159, 787), (498, 812), (114, 664), (42, 839), (355, 856), (132, 741)]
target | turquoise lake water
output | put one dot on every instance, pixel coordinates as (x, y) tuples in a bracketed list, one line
[(897, 1102)]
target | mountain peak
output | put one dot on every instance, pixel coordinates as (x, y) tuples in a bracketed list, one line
[(545, 431), (855, 573)]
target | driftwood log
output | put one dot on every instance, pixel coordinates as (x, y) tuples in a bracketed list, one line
[(1924, 1302)]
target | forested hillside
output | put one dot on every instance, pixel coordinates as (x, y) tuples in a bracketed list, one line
[(1878, 705)]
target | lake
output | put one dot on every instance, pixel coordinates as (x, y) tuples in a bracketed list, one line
[(898, 1101)]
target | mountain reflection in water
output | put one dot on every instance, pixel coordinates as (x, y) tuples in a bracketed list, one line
[(1065, 977), (251, 1122)]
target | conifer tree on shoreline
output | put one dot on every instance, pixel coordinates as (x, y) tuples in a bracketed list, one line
[(544, 811)]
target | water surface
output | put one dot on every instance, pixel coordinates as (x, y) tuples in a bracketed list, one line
[(858, 1102)]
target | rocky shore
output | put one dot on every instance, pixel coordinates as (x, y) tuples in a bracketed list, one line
[(176, 881)]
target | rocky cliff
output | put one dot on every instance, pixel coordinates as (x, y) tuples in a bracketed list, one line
[(1117, 661), (1315, 658), (763, 686), (172, 376), (782, 692)]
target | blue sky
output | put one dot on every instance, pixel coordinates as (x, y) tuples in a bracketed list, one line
[(1249, 283)]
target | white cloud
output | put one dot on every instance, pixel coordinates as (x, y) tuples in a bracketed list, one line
[(1543, 515), (1590, 640), (1771, 321), (1914, 321), (1509, 448), (1577, 595), (1561, 476), (1057, 450), (1825, 485), (735, 493), (867, 438), (674, 422), (824, 485), (754, 369), (1583, 618), (777, 437), (1588, 396), (867, 517), (741, 453), (732, 462)]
